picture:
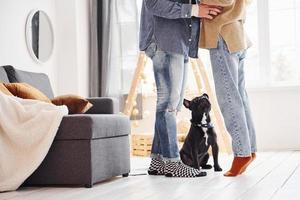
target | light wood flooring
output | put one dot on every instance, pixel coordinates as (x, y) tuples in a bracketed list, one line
[(274, 175)]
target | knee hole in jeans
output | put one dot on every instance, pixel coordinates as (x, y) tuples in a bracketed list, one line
[(171, 110)]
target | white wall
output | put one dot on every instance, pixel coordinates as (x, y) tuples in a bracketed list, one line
[(68, 66), (73, 46), (13, 48), (83, 41), (276, 114)]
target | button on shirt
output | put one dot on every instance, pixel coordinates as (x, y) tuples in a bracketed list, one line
[(171, 25)]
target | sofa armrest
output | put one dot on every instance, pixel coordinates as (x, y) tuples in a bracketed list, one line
[(92, 126), (103, 105)]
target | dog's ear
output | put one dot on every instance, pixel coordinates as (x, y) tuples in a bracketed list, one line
[(206, 95), (187, 103)]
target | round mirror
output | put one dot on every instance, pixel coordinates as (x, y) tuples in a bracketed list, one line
[(39, 36)]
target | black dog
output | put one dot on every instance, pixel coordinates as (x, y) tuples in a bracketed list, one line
[(201, 136)]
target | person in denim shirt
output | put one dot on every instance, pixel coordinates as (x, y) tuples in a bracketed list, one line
[(169, 35)]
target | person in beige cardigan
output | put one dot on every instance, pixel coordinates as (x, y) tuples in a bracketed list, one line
[(226, 39)]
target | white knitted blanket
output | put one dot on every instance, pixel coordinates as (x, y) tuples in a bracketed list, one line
[(27, 130)]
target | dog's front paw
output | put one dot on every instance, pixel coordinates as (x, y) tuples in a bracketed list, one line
[(218, 169), (206, 166)]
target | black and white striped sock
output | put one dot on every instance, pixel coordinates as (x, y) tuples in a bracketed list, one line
[(179, 169), (157, 167)]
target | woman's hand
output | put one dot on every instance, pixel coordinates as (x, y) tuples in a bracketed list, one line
[(209, 11)]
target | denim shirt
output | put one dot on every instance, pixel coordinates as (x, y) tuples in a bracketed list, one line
[(169, 23)]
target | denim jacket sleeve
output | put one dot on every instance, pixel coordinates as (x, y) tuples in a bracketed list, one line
[(169, 9)]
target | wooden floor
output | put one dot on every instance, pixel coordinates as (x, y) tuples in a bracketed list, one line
[(272, 176)]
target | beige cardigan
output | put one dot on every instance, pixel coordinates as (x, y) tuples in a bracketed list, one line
[(229, 24)]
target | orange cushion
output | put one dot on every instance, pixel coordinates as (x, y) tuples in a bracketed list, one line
[(26, 91), (75, 104), (4, 90)]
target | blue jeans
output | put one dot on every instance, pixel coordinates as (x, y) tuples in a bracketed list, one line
[(170, 72), (229, 77)]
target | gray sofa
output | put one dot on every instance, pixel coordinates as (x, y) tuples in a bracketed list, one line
[(88, 148)]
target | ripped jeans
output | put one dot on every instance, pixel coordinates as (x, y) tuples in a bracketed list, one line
[(170, 72)]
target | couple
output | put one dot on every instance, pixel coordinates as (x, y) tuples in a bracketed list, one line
[(171, 32)]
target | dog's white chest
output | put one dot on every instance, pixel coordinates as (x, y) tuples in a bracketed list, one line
[(205, 131), (205, 135)]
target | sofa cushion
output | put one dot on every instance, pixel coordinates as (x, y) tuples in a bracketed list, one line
[(104, 105), (75, 103), (86, 127), (4, 90), (37, 80), (26, 91), (3, 75)]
